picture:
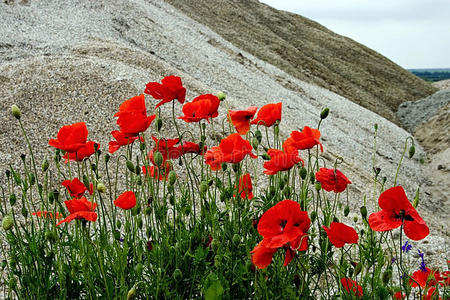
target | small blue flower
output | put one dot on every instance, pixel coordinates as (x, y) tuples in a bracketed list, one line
[(393, 260), (423, 266), (406, 247)]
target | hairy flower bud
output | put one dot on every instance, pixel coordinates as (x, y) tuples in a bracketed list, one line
[(303, 173), (412, 150), (12, 199), (158, 158), (101, 187), (158, 124), (172, 177), (317, 186), (221, 96), (45, 165), (130, 166), (346, 210), (324, 113), (7, 223), (132, 293), (363, 211), (15, 111), (258, 135)]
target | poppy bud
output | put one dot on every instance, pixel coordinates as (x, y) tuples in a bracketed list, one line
[(12, 199), (158, 124), (203, 138), (312, 178), (255, 143), (203, 187), (45, 165), (346, 210), (172, 177), (236, 168), (8, 173), (7, 223), (94, 167), (258, 135), (158, 158), (317, 186), (107, 157), (412, 150), (139, 268), (324, 113), (31, 178), (132, 293), (387, 275), (355, 219), (236, 239), (377, 171), (221, 96), (363, 211), (15, 111), (138, 180), (130, 166), (24, 212), (177, 275), (416, 199), (303, 173), (375, 126), (22, 157), (101, 187), (276, 129)]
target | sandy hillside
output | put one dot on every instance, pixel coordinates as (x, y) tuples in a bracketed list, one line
[(68, 61)]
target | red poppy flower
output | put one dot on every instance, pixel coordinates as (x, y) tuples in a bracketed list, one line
[(166, 147), (86, 151), (245, 186), (352, 287), (241, 119), (306, 139), (432, 294), (340, 234), (425, 279), (160, 173), (70, 138), (47, 214), (332, 180), (126, 200), (76, 188), (232, 149), (191, 147), (169, 89), (202, 107), (281, 161), (396, 209), (398, 295), (268, 114), (80, 209), (283, 225), (121, 140), (132, 116)]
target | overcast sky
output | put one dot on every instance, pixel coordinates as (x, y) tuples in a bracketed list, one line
[(412, 33)]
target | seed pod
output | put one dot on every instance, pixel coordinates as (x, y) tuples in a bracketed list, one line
[(7, 223), (346, 210), (158, 158), (15, 111), (324, 113), (45, 165), (107, 157)]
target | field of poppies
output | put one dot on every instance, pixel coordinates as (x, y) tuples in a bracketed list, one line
[(182, 216)]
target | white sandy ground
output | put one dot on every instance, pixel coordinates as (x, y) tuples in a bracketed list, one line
[(68, 61)]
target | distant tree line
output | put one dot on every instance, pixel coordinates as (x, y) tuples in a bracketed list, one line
[(432, 75)]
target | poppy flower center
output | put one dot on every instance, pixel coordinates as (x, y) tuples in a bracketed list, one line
[(403, 216), (283, 223)]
